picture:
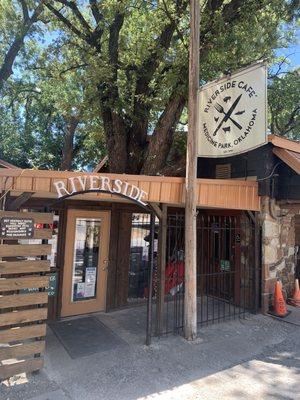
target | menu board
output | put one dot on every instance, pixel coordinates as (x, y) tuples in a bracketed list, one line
[(52, 288), (16, 228)]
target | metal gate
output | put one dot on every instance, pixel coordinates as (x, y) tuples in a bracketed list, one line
[(226, 270)]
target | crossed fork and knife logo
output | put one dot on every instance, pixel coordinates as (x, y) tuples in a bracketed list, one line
[(227, 115)]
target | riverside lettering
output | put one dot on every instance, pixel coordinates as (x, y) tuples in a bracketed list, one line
[(83, 183)]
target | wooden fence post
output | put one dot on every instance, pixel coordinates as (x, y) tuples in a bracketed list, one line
[(190, 297), (162, 254)]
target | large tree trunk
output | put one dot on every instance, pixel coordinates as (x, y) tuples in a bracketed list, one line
[(115, 132), (127, 154), (162, 139), (113, 120), (68, 147)]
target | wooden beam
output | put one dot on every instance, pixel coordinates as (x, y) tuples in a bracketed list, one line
[(100, 164), (123, 262), (15, 204), (190, 295), (257, 260), (21, 350), (218, 193), (150, 277), (21, 300), (8, 370), (22, 250), (25, 332), (162, 257), (28, 282), (23, 316), (24, 266), (251, 216), (157, 209), (8, 165), (279, 141)]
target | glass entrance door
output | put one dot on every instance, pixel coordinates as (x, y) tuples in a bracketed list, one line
[(86, 260)]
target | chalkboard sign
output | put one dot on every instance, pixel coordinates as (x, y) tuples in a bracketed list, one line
[(52, 288), (16, 228)]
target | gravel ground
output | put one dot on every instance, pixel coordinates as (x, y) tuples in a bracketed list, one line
[(243, 359)]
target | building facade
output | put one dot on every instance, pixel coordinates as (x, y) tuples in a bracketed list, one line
[(276, 168), (95, 242)]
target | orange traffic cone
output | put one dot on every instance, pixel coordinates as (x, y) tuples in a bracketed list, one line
[(279, 306), (295, 300)]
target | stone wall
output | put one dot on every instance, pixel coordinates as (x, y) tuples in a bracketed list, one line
[(278, 249)]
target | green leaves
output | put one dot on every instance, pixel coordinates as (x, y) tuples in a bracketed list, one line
[(115, 67), (284, 104)]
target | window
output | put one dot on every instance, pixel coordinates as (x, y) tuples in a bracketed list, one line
[(223, 171)]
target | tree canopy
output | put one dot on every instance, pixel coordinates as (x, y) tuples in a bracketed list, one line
[(284, 104), (110, 77)]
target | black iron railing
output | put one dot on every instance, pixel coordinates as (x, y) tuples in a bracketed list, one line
[(226, 271)]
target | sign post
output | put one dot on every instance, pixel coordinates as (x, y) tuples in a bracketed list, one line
[(190, 295)]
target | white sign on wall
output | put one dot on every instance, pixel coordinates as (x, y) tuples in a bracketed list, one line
[(233, 113)]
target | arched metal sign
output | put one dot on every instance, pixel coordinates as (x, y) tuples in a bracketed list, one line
[(94, 183)]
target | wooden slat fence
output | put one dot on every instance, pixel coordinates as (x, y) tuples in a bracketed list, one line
[(23, 299)]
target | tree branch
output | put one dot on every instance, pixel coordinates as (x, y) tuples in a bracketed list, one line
[(145, 74), (230, 11), (24, 10), (162, 138), (113, 120), (72, 5), (290, 123), (10, 56), (109, 90), (169, 15), (66, 22), (91, 38), (68, 146), (162, 43), (114, 33), (95, 11), (72, 67)]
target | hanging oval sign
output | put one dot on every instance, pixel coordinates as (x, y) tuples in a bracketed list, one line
[(233, 111)]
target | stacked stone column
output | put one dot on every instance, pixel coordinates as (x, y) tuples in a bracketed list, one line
[(278, 249)]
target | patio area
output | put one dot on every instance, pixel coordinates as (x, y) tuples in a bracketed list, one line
[(168, 368)]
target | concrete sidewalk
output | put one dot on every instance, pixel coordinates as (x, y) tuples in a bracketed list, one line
[(243, 359)]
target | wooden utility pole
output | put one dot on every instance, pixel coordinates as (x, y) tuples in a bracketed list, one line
[(190, 296)]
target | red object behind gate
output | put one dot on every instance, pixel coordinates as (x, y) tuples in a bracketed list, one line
[(174, 275)]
